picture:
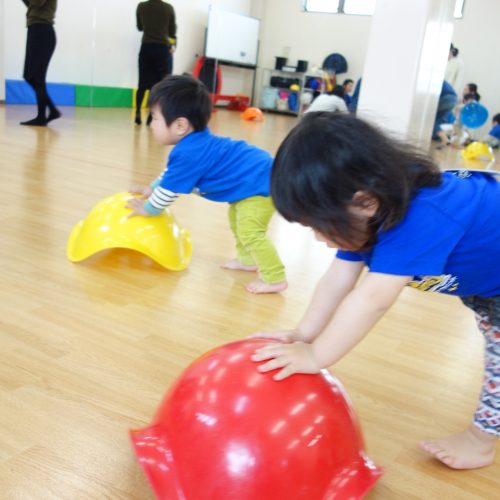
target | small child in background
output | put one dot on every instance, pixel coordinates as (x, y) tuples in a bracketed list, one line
[(348, 86), (459, 135), (493, 137), (470, 92), (389, 208), (216, 168)]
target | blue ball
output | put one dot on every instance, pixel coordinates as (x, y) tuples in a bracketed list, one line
[(473, 115)]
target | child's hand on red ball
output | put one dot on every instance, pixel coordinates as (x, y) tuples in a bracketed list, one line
[(297, 357)]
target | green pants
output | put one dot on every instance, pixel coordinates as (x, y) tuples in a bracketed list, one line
[(249, 219)]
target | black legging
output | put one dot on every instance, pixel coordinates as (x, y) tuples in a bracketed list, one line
[(40, 45), (155, 63)]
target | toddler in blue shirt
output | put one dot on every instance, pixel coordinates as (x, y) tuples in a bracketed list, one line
[(216, 168)]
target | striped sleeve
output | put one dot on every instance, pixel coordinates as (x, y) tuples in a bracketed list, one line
[(160, 199)]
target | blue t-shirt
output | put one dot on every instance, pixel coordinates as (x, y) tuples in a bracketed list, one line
[(217, 168), (495, 131), (449, 239)]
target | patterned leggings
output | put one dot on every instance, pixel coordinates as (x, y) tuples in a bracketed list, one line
[(487, 311)]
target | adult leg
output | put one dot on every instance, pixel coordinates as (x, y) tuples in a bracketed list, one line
[(445, 106), (40, 45), (144, 79), (158, 66), (475, 447), (139, 97), (252, 219)]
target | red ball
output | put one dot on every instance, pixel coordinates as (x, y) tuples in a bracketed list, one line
[(226, 431)]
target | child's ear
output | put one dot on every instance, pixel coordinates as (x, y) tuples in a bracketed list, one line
[(365, 203), (182, 126)]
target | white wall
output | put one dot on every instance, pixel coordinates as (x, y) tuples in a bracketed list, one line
[(312, 36), (476, 36), (409, 45), (98, 43)]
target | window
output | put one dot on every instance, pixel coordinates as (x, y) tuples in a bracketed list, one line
[(358, 7), (329, 6), (459, 9)]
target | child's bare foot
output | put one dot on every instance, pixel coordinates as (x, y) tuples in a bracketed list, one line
[(470, 449), (260, 286), (236, 264)]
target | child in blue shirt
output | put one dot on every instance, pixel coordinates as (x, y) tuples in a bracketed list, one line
[(216, 168), (389, 208), (493, 137)]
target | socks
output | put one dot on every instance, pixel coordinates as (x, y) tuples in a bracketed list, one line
[(54, 114), (36, 122)]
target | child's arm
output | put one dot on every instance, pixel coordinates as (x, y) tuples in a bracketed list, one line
[(158, 200), (338, 280), (491, 140), (353, 319)]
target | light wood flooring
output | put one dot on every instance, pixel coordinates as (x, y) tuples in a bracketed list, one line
[(88, 349)]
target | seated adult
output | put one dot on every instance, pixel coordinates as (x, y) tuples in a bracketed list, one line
[(331, 101), (446, 103)]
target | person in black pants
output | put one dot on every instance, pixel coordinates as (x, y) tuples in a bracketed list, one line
[(156, 19), (40, 45)]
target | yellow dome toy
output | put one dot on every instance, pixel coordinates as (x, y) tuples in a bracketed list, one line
[(476, 149), (108, 226)]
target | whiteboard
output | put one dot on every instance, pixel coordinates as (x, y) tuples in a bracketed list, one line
[(232, 37)]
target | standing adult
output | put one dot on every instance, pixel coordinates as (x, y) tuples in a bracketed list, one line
[(40, 45), (156, 19), (454, 73)]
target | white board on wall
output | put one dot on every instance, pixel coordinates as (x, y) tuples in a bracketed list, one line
[(232, 37)]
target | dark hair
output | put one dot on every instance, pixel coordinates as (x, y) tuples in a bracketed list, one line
[(347, 81), (453, 50), (182, 96), (327, 158), (472, 87), (496, 118), (470, 95), (338, 90)]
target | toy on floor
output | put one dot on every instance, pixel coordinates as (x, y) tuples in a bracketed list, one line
[(253, 114), (477, 150), (226, 431), (108, 226)]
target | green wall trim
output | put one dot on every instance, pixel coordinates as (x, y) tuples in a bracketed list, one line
[(88, 95)]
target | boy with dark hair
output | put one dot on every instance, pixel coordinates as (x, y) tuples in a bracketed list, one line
[(217, 168), (493, 137)]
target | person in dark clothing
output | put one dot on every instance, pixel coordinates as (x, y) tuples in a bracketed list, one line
[(447, 101), (40, 45), (156, 19)]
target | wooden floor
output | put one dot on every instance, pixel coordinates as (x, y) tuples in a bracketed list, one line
[(89, 349)]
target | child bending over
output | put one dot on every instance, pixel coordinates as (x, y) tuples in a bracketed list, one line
[(390, 209), (217, 168)]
